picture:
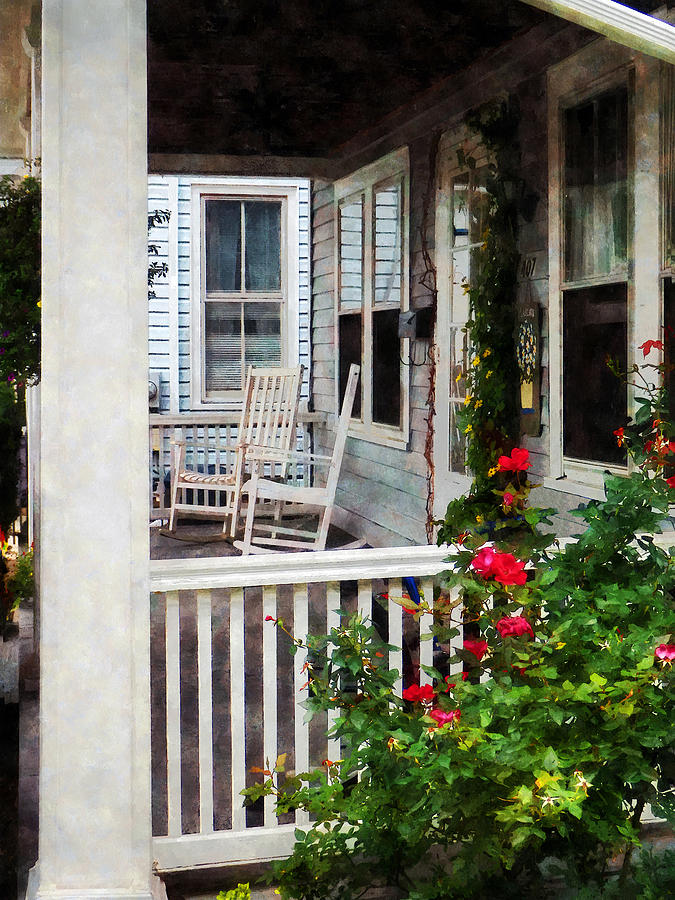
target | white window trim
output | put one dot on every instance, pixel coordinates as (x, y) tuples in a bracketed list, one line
[(288, 191), (389, 167), (587, 73), (448, 485)]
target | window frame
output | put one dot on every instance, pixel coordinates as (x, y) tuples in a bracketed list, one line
[(364, 182), (287, 192), (449, 483), (597, 68)]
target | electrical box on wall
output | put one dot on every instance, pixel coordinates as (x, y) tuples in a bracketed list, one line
[(416, 324), (154, 389)]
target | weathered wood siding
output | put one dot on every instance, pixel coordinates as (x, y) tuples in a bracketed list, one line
[(173, 192), (383, 491)]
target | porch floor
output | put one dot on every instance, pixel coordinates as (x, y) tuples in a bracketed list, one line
[(198, 539)]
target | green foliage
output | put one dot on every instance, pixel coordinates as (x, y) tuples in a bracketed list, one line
[(490, 416), (156, 269), (565, 719), (11, 419), (20, 203), (241, 892), (21, 583)]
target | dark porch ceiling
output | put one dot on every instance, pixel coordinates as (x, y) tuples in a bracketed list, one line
[(301, 77)]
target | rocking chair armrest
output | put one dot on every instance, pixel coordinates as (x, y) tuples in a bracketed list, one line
[(275, 454)]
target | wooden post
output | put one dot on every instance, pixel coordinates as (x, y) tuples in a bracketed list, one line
[(95, 823)]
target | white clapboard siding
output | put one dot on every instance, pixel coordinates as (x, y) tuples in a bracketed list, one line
[(244, 592), (170, 312)]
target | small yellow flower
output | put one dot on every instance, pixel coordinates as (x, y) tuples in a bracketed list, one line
[(493, 471), (476, 361), (488, 373), (39, 303), (478, 404), (486, 352), (479, 519), (468, 429), (459, 377), (468, 399)]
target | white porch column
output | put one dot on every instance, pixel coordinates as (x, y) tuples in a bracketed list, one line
[(95, 829)]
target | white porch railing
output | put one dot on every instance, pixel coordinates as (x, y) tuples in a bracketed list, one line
[(211, 439), (226, 695)]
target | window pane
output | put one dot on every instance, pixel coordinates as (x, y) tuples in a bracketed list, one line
[(470, 205), (594, 400), (388, 245), (263, 245), (596, 186), (351, 253), (222, 346), (458, 368), (350, 352), (262, 334), (223, 245), (668, 152), (386, 368)]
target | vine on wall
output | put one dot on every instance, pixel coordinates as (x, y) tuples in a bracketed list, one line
[(490, 417)]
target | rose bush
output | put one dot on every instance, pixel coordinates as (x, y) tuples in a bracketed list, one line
[(473, 789)]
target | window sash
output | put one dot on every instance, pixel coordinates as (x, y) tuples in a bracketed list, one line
[(231, 342), (371, 290)]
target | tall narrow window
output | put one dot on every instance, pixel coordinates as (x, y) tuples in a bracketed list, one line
[(243, 290), (596, 211), (468, 217), (372, 292)]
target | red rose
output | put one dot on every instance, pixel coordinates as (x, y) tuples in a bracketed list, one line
[(417, 694), (508, 498), (519, 461), (506, 569), (503, 567), (514, 626), (478, 648), (671, 481)]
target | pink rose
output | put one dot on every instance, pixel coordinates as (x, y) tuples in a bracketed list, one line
[(508, 498), (514, 626), (482, 561), (445, 718), (478, 648), (665, 652)]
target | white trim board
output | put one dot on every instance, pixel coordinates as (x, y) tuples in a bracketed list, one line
[(618, 22)]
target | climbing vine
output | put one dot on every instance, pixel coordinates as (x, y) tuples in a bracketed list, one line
[(490, 415)]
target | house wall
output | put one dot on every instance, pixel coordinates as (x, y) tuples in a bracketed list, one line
[(383, 492), (169, 312)]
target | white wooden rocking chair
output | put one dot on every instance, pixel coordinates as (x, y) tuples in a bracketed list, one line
[(260, 537), (268, 420)]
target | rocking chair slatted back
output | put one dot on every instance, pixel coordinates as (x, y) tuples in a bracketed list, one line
[(269, 417)]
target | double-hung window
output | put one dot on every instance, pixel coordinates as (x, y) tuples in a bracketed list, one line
[(605, 297), (372, 290), (245, 284)]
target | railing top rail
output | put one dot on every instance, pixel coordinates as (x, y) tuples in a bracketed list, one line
[(229, 417), (296, 568), (316, 566)]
